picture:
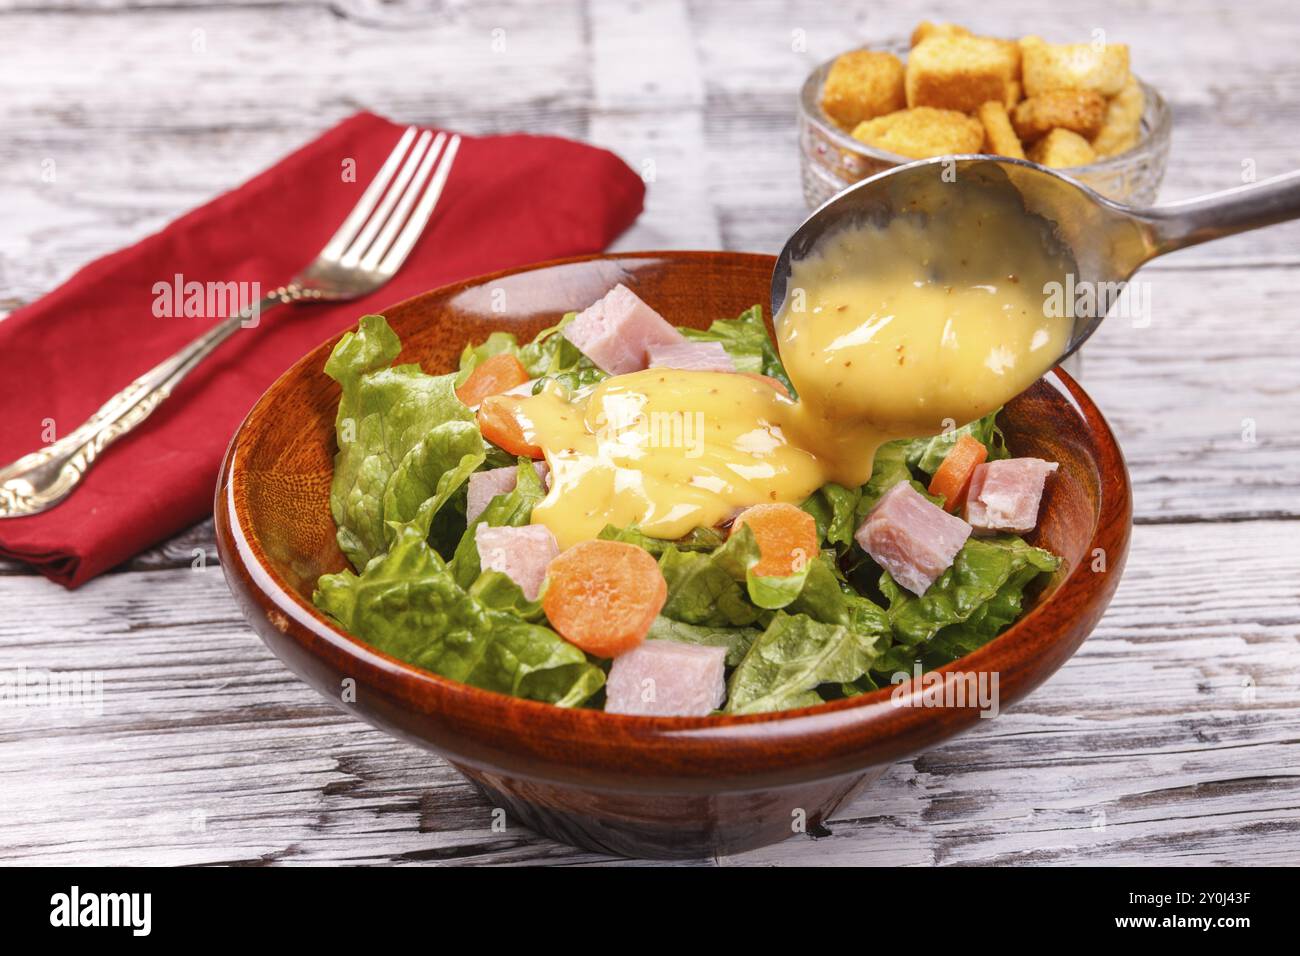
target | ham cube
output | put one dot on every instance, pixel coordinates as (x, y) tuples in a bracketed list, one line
[(666, 679), (521, 554), (1004, 495), (912, 538), (691, 357), (616, 331), (486, 485)]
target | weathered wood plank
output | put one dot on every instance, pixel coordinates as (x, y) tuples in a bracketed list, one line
[(208, 750)]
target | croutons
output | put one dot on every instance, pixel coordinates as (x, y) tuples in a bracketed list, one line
[(1080, 111), (923, 132), (1063, 104), (1100, 68), (961, 72), (925, 29), (999, 138), (862, 85), (1123, 124), (1061, 149)]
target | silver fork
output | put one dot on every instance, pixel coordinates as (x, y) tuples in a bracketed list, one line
[(365, 253)]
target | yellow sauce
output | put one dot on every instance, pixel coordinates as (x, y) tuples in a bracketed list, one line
[(666, 450), (884, 333)]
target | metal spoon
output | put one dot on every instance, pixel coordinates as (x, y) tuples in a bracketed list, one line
[(1105, 241)]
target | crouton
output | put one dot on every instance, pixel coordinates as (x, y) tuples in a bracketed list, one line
[(1100, 68), (862, 85), (922, 132), (999, 138), (961, 72), (1014, 91), (925, 29), (1080, 111), (1123, 124), (1061, 149)]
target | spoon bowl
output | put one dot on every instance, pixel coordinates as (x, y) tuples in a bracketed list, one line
[(1102, 242)]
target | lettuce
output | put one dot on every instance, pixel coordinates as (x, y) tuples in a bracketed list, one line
[(706, 588), (833, 507), (700, 539), (747, 342), (548, 355), (970, 603), (736, 640), (926, 454), (792, 657), (392, 421), (406, 604)]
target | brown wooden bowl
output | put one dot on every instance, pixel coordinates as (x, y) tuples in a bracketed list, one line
[(638, 786)]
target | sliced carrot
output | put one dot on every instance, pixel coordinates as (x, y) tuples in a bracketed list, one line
[(604, 595), (952, 477), (786, 536), (492, 376), (776, 383), (500, 425)]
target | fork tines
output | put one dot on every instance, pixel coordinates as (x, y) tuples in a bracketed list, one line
[(383, 226)]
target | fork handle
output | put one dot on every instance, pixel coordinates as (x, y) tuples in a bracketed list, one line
[(40, 480)]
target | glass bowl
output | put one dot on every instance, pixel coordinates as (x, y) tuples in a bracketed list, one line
[(830, 159)]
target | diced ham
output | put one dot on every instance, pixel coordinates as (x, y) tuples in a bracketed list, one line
[(666, 679), (1004, 495), (486, 485), (691, 356), (616, 331), (521, 554), (912, 538)]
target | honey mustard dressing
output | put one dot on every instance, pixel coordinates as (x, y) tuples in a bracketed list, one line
[(668, 451), (883, 335)]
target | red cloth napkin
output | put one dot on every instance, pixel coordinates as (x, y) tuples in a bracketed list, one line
[(510, 200)]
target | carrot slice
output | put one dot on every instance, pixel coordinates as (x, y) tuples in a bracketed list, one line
[(500, 425), (492, 376), (786, 536), (952, 477), (604, 595), (776, 383)]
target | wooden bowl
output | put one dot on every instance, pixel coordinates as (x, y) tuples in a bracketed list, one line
[(638, 786)]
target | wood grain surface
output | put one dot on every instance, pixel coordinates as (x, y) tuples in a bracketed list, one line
[(1170, 738)]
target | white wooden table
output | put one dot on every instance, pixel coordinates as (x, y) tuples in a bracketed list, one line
[(1170, 738)]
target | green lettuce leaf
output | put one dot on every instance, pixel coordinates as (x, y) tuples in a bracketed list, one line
[(926, 454), (706, 588), (497, 591), (386, 413), (791, 658), (747, 342), (700, 539), (834, 509), (548, 355), (430, 474), (712, 587), (888, 469), (970, 603), (735, 639), (407, 604)]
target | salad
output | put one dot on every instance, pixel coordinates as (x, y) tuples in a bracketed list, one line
[(787, 604)]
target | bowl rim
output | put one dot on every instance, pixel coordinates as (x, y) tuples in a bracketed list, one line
[(1027, 653), (810, 110)]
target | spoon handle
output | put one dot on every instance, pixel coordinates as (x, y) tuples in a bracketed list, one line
[(1192, 221)]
